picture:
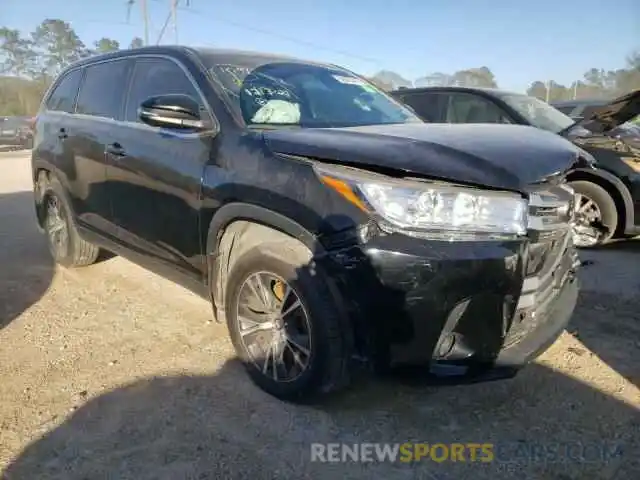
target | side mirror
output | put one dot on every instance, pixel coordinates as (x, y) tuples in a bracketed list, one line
[(173, 111)]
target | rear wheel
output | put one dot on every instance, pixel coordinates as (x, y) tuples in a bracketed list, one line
[(285, 326), (65, 245), (596, 217)]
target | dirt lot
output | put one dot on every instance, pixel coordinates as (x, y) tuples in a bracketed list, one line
[(113, 372)]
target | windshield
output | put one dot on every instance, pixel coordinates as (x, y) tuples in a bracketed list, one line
[(539, 113), (306, 95)]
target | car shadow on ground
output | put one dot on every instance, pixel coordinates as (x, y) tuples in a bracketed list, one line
[(609, 327), (542, 424), (607, 318), (22, 282)]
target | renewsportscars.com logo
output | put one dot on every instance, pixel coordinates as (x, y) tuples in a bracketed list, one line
[(504, 452)]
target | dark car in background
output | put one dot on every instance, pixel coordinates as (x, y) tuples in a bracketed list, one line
[(582, 110), (579, 109), (607, 193), (16, 131), (325, 221)]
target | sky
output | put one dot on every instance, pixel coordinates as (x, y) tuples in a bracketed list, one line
[(520, 41)]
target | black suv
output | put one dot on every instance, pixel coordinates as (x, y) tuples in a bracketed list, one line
[(607, 196), (330, 227)]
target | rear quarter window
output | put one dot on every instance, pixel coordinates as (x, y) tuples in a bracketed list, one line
[(63, 95)]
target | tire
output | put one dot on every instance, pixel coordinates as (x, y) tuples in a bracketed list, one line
[(606, 207), (76, 252), (327, 369)]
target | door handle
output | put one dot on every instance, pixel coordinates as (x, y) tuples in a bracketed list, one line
[(62, 133), (116, 150)]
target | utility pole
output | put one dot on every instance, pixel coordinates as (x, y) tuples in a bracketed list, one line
[(174, 17), (548, 91), (145, 18), (575, 90)]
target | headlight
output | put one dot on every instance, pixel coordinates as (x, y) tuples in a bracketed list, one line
[(431, 207)]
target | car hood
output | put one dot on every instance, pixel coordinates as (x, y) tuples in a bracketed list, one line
[(509, 157), (615, 113)]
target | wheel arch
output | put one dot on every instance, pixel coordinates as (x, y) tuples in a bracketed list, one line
[(43, 173), (41, 178), (237, 227), (614, 187)]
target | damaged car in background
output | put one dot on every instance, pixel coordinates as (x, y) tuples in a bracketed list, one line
[(607, 194), (330, 227)]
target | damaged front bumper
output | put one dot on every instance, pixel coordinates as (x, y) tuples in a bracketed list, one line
[(474, 310)]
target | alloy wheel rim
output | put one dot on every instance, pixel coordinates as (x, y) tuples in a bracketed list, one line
[(274, 327), (587, 213), (56, 225)]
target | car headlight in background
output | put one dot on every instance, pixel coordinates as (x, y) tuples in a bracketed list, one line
[(431, 208)]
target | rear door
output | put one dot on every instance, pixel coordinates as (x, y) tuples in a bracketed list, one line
[(99, 111), (53, 120), (155, 174)]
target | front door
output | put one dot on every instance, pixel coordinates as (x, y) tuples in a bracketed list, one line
[(155, 173), (468, 107)]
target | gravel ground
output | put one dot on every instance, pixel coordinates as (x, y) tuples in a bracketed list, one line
[(113, 372)]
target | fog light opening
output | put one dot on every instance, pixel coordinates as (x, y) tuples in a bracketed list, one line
[(446, 345)]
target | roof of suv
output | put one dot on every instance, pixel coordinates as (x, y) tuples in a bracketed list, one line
[(202, 52)]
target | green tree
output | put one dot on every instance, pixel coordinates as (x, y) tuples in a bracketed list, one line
[(106, 45), (437, 79), (57, 45), (475, 77), (137, 42), (16, 53), (392, 79), (471, 77)]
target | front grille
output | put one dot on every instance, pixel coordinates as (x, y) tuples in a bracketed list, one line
[(550, 257), (550, 211)]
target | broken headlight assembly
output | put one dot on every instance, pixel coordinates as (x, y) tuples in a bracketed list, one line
[(430, 209)]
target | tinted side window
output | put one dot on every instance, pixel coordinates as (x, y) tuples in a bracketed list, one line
[(429, 106), (64, 94), (469, 108), (102, 91), (156, 76)]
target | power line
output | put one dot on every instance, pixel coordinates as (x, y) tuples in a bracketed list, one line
[(252, 28), (164, 27)]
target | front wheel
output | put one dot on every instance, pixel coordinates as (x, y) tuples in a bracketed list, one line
[(596, 216), (285, 326)]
